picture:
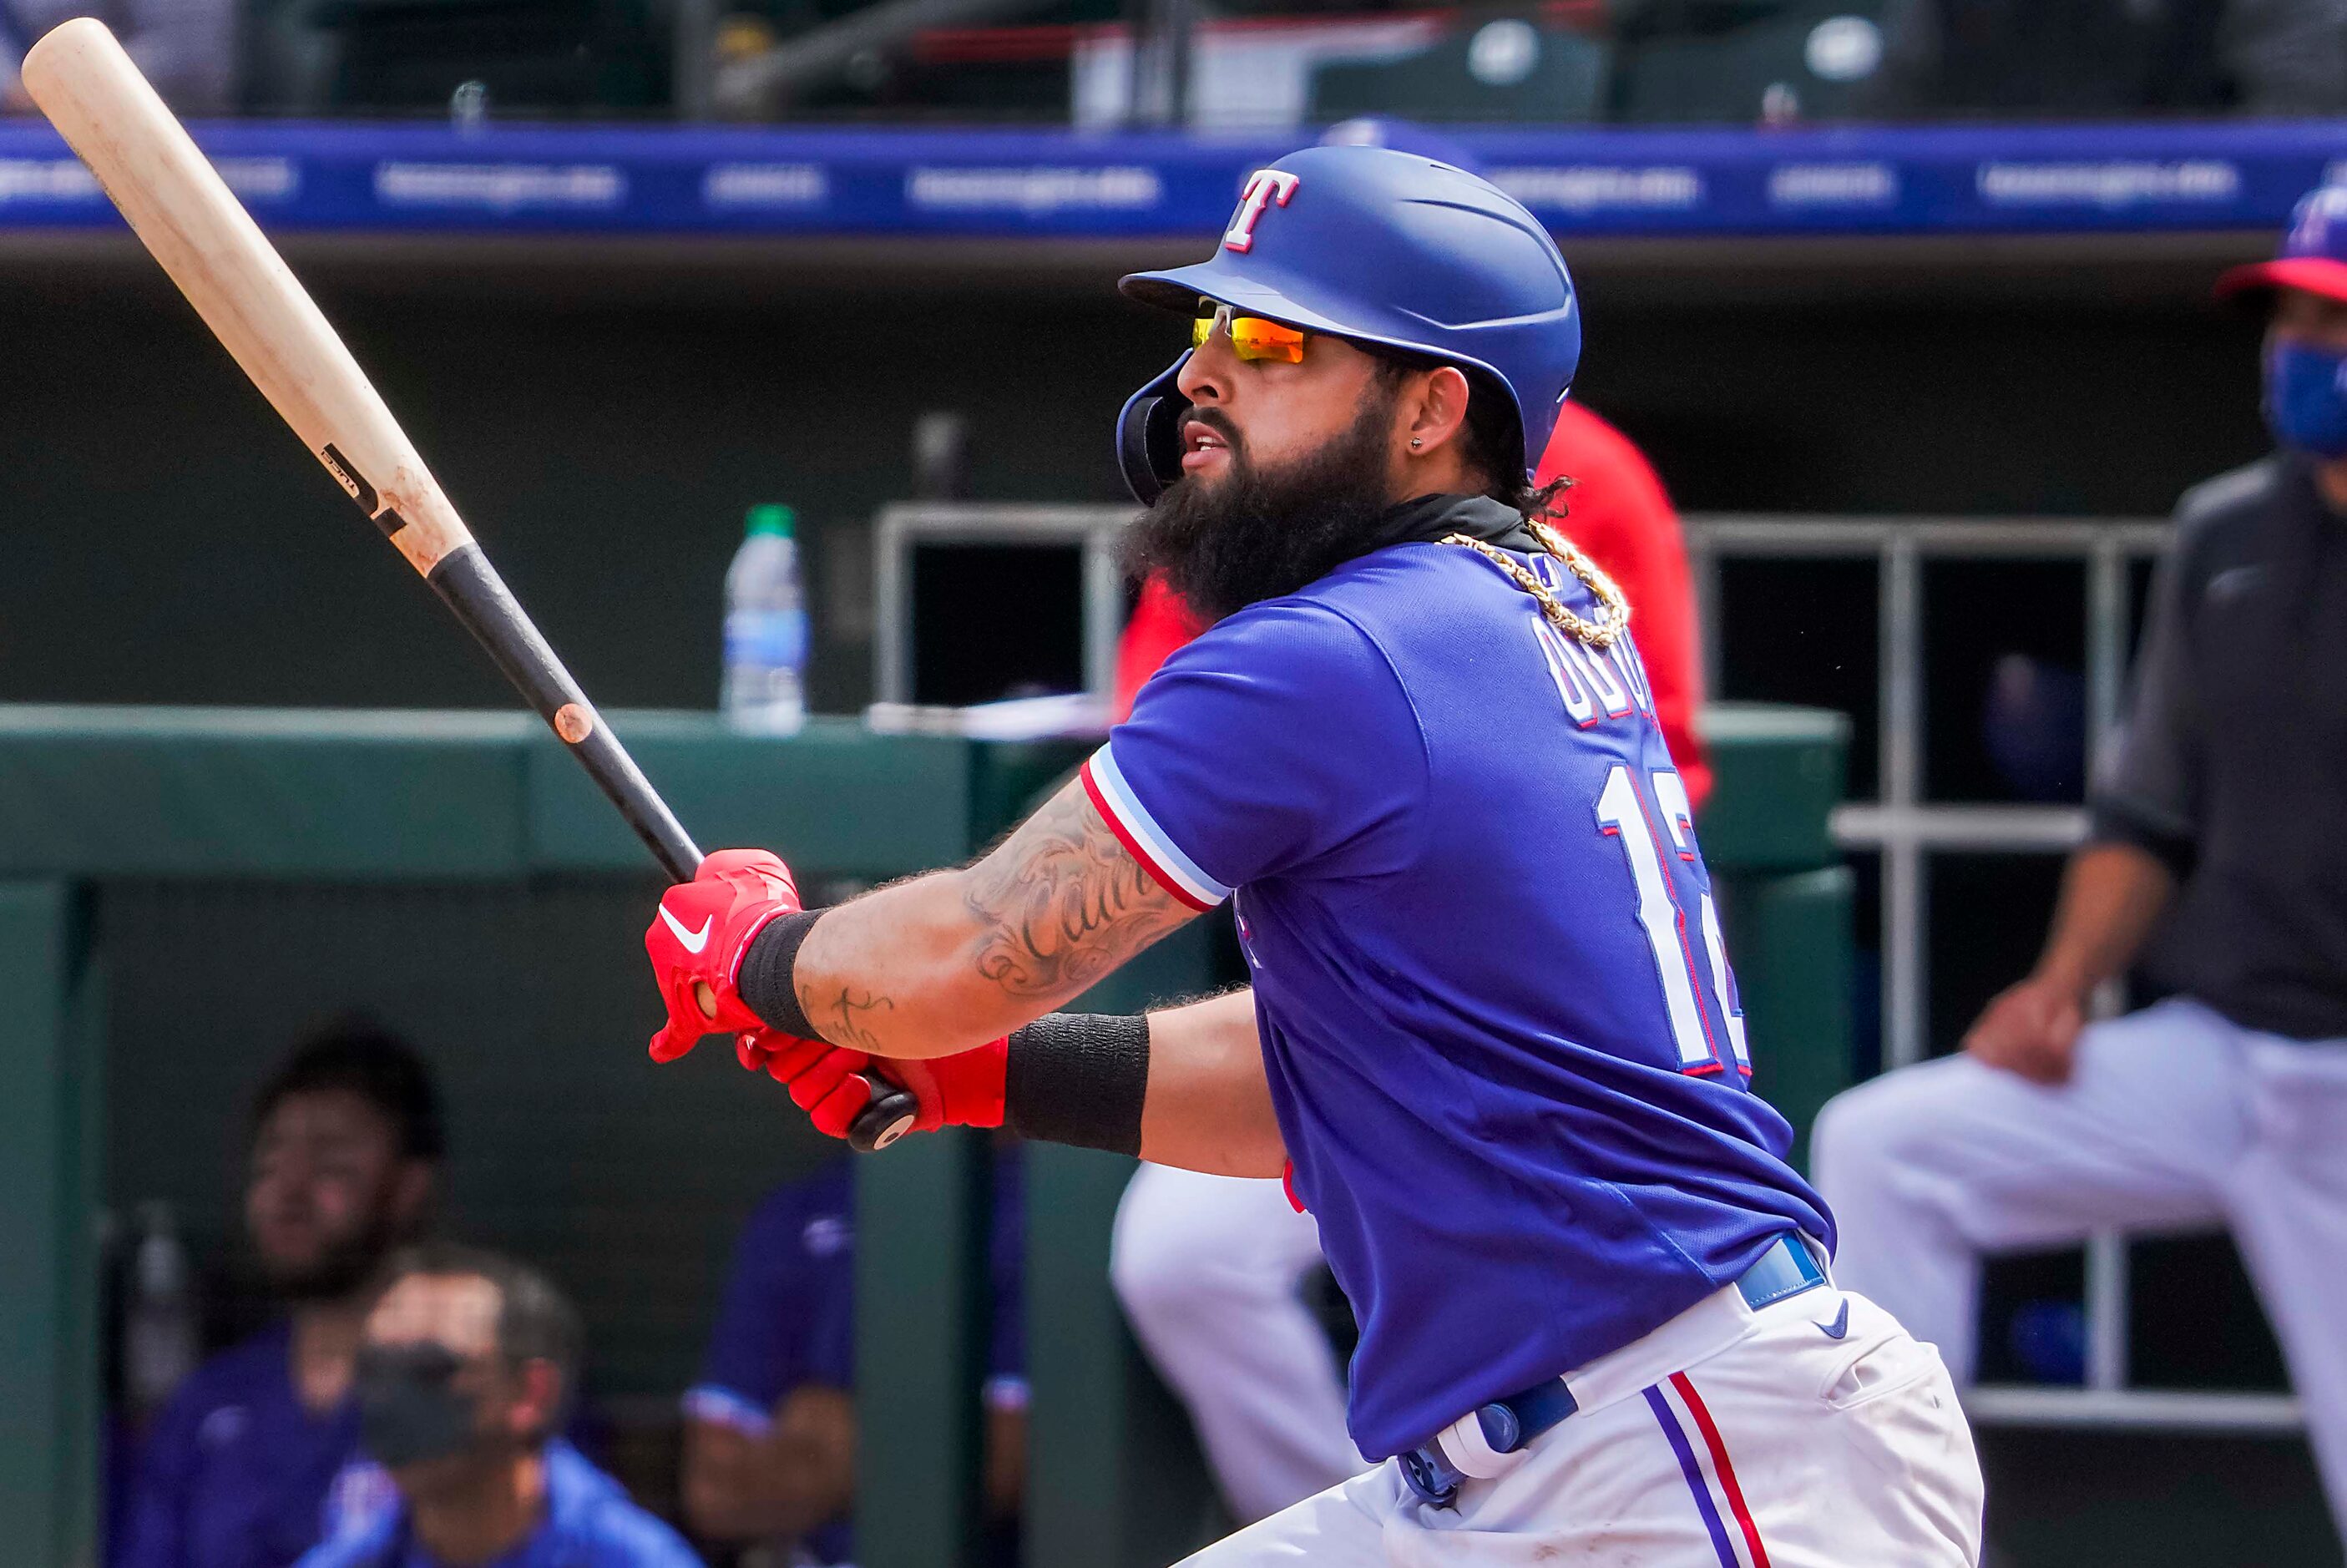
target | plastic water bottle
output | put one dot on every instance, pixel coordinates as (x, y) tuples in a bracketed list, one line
[(765, 627), (160, 1341)]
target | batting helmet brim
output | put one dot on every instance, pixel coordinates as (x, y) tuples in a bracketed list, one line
[(1179, 290)]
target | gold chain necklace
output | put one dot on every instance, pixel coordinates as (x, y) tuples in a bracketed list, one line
[(1600, 633)]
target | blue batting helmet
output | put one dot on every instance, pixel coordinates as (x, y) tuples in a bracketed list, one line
[(1384, 248)]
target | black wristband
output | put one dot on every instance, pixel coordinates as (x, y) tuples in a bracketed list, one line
[(765, 981), (1079, 1079)]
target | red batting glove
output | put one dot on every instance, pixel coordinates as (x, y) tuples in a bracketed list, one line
[(829, 1082), (697, 941)]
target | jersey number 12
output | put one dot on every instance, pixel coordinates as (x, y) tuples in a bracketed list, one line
[(1621, 813)]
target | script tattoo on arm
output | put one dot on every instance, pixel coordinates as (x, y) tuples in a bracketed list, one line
[(851, 1008), (1061, 902)]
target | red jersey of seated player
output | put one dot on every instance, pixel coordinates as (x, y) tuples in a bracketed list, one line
[(1617, 511)]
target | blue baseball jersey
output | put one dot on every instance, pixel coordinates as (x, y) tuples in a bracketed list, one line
[(591, 1523), (1498, 1020), (788, 1315), (236, 1472)]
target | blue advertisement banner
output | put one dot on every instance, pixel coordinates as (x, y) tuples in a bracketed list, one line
[(1983, 179)]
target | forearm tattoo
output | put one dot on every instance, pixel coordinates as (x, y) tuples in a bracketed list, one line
[(1062, 902), (849, 1013)]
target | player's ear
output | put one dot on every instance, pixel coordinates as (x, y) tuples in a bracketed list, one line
[(1437, 410), (537, 1398), (414, 1184)]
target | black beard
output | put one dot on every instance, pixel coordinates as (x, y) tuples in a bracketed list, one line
[(1260, 534), (340, 1272)]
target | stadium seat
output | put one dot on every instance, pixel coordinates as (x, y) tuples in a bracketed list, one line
[(545, 56), (1805, 62), (1638, 19), (285, 62), (2077, 60), (1505, 69)]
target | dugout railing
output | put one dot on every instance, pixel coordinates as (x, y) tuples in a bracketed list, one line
[(1907, 828), (181, 890)]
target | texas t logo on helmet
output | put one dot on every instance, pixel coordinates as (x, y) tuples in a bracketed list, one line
[(1265, 188), (1386, 250)]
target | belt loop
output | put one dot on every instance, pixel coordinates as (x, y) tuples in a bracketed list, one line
[(1430, 1476), (1785, 1270)]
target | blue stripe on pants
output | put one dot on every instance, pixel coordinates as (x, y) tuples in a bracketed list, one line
[(1687, 1467)]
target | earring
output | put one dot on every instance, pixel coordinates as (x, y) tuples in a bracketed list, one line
[(1415, 443)]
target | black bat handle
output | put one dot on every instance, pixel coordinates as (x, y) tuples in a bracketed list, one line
[(471, 587), (888, 1118)]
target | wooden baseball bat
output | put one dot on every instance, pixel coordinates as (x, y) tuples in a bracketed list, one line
[(194, 226)]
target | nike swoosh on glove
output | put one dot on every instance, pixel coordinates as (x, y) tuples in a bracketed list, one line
[(830, 1083), (697, 939)]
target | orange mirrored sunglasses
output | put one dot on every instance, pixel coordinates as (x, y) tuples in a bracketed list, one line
[(1252, 337)]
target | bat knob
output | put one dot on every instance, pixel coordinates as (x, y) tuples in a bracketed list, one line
[(888, 1117)]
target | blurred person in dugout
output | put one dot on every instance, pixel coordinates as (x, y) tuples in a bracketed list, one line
[(770, 1427), (2217, 867), (238, 1470), (1211, 1269), (466, 1368)]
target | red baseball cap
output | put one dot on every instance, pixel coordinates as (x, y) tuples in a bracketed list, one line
[(2313, 253)]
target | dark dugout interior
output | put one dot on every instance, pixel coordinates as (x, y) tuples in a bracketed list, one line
[(604, 414)]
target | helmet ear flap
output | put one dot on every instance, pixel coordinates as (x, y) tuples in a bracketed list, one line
[(1149, 437)]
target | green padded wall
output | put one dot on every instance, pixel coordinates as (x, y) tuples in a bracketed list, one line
[(50, 1081), (249, 873), (1114, 1476), (1786, 900), (244, 875), (567, 1144), (1791, 935), (922, 1300)]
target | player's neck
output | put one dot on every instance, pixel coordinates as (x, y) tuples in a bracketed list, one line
[(325, 1348), (485, 1514), (1437, 473)]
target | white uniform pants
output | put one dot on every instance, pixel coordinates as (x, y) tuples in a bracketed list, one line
[(1790, 1446), (2175, 1118), (1209, 1270)]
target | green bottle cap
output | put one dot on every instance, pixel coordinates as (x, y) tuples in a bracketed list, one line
[(771, 518)]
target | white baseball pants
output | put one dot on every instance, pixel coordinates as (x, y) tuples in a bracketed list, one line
[(1209, 1270), (2174, 1119), (1787, 1448)]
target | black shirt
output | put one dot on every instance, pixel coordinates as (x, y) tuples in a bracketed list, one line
[(2232, 766)]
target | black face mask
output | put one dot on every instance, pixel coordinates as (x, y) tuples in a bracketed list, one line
[(409, 1407)]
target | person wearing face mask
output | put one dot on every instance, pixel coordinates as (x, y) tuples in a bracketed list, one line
[(468, 1362), (2217, 867), (238, 1470)]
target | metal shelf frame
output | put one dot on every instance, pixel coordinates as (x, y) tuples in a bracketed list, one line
[(1907, 829), (900, 528)]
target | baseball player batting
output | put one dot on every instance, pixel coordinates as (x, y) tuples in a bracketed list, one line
[(1493, 1037)]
